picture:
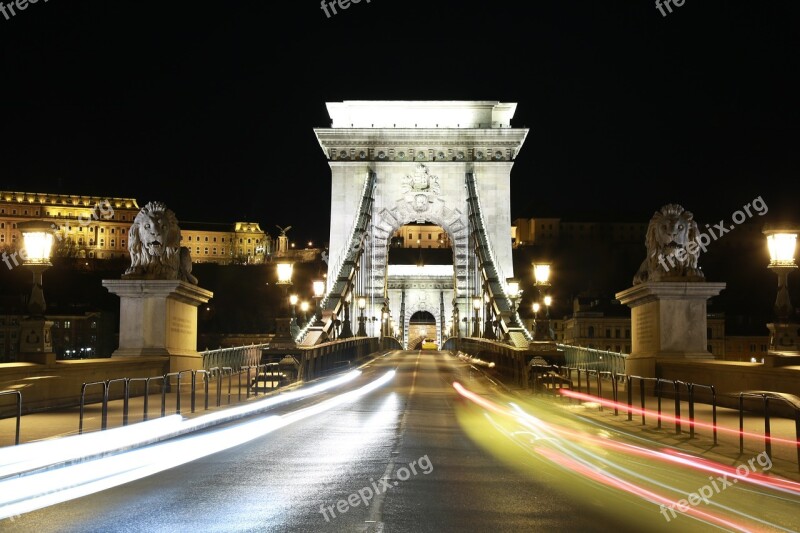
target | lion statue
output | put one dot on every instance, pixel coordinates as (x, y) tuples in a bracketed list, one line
[(154, 244), (672, 247)]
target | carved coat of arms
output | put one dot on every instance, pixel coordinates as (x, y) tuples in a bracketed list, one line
[(420, 188)]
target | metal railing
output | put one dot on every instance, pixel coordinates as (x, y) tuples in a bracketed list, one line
[(235, 357), (591, 358), (18, 396), (792, 401), (171, 384), (559, 376)]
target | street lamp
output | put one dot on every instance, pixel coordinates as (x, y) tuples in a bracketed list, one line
[(514, 293), (541, 273), (488, 329), (293, 299), (385, 325), (548, 300), (35, 340), (347, 331), (362, 305), (319, 292), (782, 244), (304, 305), (476, 305), (283, 333)]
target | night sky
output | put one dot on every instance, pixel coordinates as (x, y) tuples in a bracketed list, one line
[(628, 109)]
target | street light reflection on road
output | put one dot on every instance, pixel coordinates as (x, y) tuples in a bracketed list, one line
[(558, 449), (27, 493)]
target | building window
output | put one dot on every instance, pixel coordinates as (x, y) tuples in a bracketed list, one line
[(205, 250), (708, 333), (215, 239), (113, 243), (249, 241), (590, 332), (608, 333), (215, 251), (752, 347), (617, 334), (189, 238), (206, 239), (627, 334), (67, 324), (198, 250)]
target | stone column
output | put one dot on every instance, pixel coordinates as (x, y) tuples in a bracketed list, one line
[(159, 318), (668, 322)]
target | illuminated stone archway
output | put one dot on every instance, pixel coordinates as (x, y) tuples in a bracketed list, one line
[(420, 155)]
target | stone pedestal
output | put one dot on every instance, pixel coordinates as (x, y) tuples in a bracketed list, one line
[(784, 344), (36, 342), (159, 317), (668, 322)]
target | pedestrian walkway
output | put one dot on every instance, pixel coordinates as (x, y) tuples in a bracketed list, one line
[(64, 422)]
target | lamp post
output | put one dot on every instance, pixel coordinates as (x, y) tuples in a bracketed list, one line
[(319, 292), (283, 330), (36, 345), (295, 328), (385, 321), (782, 244), (362, 305), (304, 308), (476, 305), (541, 276), (514, 293), (347, 331), (488, 328)]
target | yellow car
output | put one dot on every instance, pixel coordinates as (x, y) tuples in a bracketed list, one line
[(429, 344)]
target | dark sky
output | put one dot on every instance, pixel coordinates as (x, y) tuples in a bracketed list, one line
[(628, 109)]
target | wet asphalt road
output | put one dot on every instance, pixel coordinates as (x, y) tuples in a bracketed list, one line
[(400, 446)]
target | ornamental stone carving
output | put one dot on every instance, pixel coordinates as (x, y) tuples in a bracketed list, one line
[(154, 246)]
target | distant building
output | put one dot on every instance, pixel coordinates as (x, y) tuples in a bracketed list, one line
[(420, 236), (97, 227), (241, 242), (748, 348), (606, 325), (551, 231), (87, 335)]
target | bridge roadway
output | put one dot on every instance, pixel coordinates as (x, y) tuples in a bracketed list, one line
[(423, 457)]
